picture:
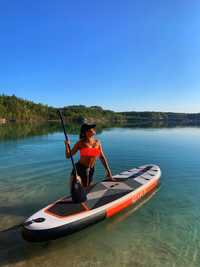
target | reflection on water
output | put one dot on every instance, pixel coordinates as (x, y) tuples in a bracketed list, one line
[(15, 130), (134, 208), (21, 130)]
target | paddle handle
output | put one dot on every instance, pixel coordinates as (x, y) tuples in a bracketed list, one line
[(67, 139)]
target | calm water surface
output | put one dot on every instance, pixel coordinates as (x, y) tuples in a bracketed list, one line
[(165, 231)]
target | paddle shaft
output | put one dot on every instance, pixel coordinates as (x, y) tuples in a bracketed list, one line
[(67, 139)]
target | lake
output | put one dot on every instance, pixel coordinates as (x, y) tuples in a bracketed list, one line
[(164, 231)]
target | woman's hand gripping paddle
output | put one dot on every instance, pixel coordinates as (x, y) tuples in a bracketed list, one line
[(78, 193)]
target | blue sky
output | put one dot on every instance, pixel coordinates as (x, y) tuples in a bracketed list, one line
[(119, 54)]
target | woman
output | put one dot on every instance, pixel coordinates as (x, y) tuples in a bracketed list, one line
[(90, 149)]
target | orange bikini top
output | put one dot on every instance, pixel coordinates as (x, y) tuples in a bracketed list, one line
[(90, 152)]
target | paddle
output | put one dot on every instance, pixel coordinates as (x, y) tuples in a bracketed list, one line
[(78, 193)]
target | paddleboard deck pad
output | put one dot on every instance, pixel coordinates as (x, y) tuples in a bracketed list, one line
[(104, 199)]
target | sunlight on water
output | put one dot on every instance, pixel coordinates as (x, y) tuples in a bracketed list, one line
[(162, 231)]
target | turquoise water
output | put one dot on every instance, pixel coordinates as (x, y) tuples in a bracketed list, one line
[(164, 231)]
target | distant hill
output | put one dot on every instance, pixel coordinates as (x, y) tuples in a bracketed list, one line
[(167, 117), (14, 109), (17, 109)]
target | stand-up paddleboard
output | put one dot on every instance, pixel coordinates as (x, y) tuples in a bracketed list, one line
[(104, 199)]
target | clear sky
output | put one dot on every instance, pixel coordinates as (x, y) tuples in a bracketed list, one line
[(119, 54)]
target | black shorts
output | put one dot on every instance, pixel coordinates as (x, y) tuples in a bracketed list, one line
[(85, 173)]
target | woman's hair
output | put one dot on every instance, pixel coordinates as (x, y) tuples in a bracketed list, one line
[(82, 135), (84, 128)]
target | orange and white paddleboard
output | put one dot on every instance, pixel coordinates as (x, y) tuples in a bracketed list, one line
[(104, 199)]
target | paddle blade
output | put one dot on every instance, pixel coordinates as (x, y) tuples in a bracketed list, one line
[(78, 192)]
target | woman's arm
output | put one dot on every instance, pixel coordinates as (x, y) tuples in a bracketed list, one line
[(73, 150), (105, 163)]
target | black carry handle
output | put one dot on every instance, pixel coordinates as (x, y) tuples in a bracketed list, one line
[(67, 139)]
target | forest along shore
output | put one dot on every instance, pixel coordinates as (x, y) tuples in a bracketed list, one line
[(17, 110)]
